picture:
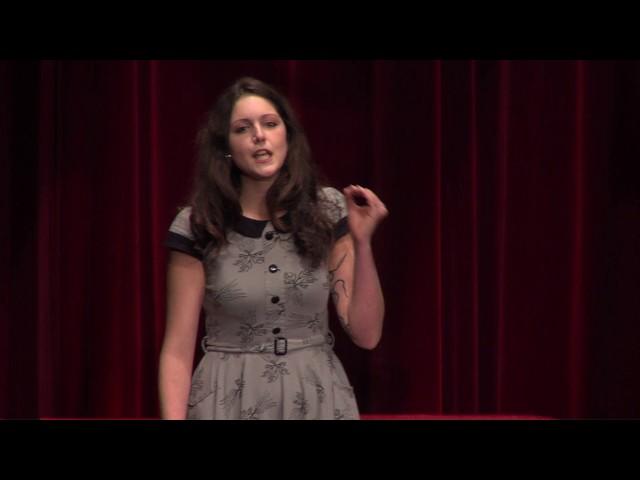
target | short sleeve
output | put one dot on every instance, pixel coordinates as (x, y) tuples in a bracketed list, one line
[(179, 237), (335, 206)]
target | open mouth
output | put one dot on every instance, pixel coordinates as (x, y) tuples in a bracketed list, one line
[(262, 155)]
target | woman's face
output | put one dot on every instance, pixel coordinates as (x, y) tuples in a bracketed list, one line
[(257, 138)]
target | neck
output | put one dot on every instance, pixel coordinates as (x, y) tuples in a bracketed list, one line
[(253, 198)]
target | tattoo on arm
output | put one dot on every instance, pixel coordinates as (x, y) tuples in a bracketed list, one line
[(331, 272), (335, 296), (334, 293)]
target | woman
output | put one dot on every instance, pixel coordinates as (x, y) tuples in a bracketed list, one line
[(260, 249)]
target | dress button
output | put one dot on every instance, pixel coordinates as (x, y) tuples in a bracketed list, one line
[(269, 236), (275, 299), (273, 268), (276, 330)]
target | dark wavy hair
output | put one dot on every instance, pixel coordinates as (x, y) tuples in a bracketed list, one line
[(215, 198)]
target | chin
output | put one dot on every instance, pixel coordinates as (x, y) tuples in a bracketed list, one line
[(268, 170)]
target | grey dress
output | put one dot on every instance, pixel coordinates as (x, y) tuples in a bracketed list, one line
[(268, 349)]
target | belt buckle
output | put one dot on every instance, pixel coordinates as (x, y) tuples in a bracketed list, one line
[(280, 346)]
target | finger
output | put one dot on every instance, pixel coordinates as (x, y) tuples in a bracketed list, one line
[(360, 190), (372, 198), (350, 190), (382, 206), (377, 203), (371, 194), (357, 195)]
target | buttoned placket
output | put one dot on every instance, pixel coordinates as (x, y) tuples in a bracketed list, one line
[(274, 287)]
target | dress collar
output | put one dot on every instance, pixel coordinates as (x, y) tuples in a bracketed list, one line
[(252, 228)]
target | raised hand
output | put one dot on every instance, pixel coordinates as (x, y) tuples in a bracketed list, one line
[(365, 211)]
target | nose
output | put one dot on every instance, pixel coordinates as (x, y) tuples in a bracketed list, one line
[(258, 134)]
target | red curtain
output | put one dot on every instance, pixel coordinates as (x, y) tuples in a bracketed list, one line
[(510, 260)]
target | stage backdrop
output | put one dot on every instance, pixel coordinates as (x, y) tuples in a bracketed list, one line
[(510, 261)]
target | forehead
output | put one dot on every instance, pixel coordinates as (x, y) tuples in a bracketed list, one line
[(252, 106)]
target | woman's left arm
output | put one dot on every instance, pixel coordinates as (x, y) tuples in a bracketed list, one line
[(355, 286)]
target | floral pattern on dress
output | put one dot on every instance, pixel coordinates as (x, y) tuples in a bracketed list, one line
[(197, 384), (343, 414), (249, 329), (282, 240), (296, 284), (213, 328), (225, 294), (312, 378), (248, 256), (301, 409), (315, 324), (255, 412), (233, 398), (274, 370), (276, 311)]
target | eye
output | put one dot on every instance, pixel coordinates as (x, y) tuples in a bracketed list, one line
[(239, 129), (272, 124)]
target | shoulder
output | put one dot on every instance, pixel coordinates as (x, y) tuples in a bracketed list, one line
[(181, 223), (180, 237), (332, 201), (330, 194)]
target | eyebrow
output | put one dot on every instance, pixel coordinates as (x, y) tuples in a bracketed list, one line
[(274, 114)]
